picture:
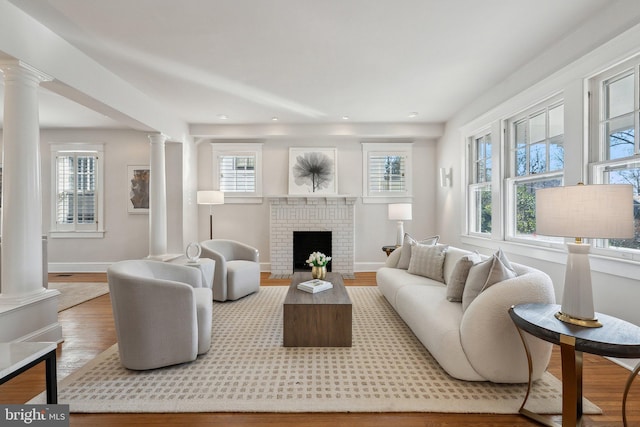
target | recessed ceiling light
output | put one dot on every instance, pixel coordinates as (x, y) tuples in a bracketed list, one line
[(413, 114), (223, 116), (345, 117), (275, 119)]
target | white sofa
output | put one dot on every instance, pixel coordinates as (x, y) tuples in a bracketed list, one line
[(480, 343)]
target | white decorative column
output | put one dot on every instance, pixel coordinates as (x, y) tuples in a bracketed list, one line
[(21, 192), (28, 311), (158, 199)]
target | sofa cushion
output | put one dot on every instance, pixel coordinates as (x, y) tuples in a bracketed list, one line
[(428, 261), (408, 242), (484, 274), (458, 277)]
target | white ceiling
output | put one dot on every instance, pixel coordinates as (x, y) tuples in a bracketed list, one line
[(305, 61)]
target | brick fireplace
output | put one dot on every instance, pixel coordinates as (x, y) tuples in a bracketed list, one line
[(301, 213)]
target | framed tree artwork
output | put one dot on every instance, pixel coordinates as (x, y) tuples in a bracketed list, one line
[(138, 179), (313, 171)]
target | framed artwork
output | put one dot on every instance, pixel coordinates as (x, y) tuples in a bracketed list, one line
[(313, 171), (138, 179)]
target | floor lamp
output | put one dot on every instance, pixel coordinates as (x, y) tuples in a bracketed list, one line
[(583, 211), (210, 197), (400, 212)]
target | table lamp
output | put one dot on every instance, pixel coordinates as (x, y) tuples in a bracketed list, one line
[(599, 211), (400, 212), (210, 197)]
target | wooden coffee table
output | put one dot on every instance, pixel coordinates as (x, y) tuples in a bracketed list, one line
[(322, 319)]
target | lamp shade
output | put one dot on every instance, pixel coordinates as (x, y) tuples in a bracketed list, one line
[(589, 211), (400, 211), (210, 197)]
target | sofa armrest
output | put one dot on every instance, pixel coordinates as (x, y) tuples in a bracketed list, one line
[(489, 337)]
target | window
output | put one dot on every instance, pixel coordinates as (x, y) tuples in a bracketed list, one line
[(536, 160), (614, 147), (77, 190), (386, 172), (479, 192), (237, 171)]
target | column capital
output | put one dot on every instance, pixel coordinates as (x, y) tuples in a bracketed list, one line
[(157, 138), (15, 67)]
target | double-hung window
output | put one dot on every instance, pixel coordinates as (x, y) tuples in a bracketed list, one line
[(77, 190), (536, 160), (614, 145), (386, 172), (479, 191), (238, 171)]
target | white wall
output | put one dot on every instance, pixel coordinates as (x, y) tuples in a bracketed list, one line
[(616, 287), (250, 222)]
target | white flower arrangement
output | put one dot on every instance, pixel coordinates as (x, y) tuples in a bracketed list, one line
[(318, 259)]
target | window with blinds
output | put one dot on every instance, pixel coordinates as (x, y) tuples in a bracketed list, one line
[(237, 173), (76, 190), (387, 174), (386, 171)]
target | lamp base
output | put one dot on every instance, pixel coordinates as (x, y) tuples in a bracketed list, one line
[(400, 234), (586, 323)]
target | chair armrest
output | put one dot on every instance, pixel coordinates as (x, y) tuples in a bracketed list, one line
[(246, 252), (177, 273)]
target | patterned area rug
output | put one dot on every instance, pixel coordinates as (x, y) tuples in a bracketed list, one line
[(74, 293), (248, 370)]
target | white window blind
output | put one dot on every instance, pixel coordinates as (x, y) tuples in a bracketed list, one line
[(237, 173), (76, 195), (387, 173)]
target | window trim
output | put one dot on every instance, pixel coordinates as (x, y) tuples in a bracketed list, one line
[(512, 180), (238, 149), (598, 143), (72, 232), (472, 185), (387, 149)]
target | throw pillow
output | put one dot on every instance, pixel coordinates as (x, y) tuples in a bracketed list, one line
[(484, 274), (458, 278), (428, 261), (407, 243)]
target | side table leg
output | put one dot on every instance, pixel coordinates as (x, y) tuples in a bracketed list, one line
[(627, 387), (571, 381), (51, 378), (542, 419)]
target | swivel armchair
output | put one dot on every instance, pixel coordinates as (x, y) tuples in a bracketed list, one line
[(237, 272), (161, 311)]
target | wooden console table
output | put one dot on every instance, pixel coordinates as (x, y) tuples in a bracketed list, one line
[(322, 319), (616, 338)]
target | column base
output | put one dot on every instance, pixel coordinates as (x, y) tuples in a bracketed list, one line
[(35, 319), (164, 258)]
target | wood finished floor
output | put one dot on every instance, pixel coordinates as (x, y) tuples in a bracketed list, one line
[(88, 330)]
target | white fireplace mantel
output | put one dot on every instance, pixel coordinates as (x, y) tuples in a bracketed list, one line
[(311, 200)]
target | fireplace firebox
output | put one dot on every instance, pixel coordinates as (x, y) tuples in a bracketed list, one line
[(306, 242)]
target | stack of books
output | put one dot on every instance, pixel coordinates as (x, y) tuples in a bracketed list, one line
[(315, 285)]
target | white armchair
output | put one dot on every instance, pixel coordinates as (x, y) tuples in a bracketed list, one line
[(237, 272), (161, 311)]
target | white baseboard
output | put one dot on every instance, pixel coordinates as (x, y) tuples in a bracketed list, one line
[(79, 267)]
